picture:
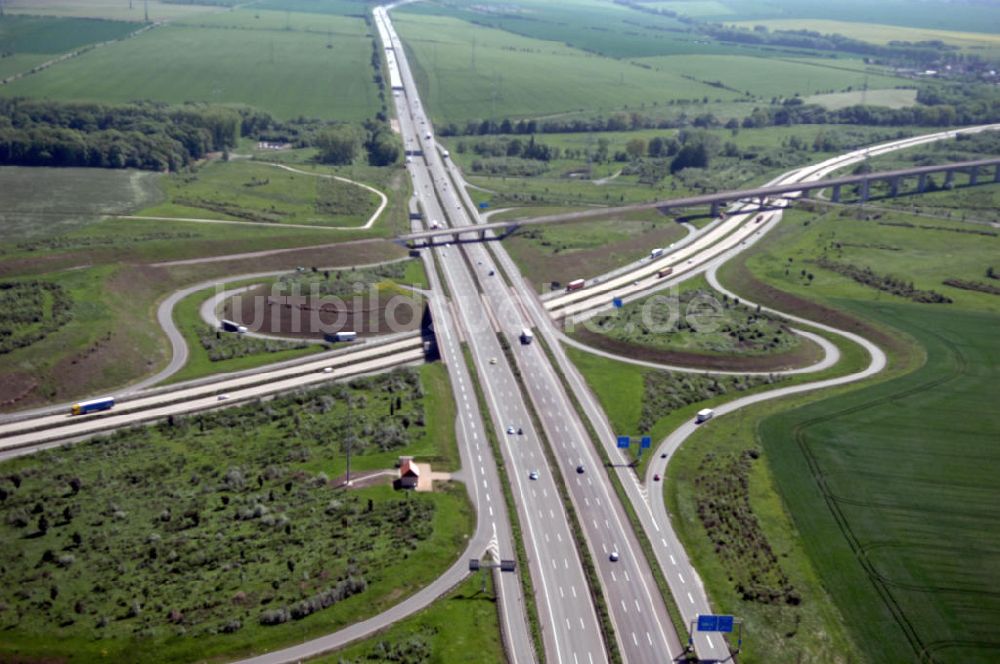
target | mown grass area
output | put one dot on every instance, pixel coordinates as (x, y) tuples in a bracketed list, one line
[(530, 77), (460, 627), (251, 191), (221, 534), (286, 73)]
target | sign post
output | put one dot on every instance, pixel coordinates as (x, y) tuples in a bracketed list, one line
[(645, 444), (708, 622)]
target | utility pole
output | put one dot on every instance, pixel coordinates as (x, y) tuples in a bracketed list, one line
[(145, 5)]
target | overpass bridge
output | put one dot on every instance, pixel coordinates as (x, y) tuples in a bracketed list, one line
[(715, 201)]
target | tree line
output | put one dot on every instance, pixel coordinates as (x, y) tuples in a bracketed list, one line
[(142, 135)]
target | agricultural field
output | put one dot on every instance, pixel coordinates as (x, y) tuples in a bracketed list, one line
[(164, 539), (466, 71), (28, 41), (984, 43), (288, 73), (872, 470), (106, 9), (257, 192), (462, 626), (767, 77), (892, 98)]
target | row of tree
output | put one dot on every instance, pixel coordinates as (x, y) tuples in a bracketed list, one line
[(342, 144)]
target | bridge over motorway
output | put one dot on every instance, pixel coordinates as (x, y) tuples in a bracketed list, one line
[(717, 200)]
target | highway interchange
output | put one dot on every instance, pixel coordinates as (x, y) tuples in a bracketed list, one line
[(477, 297)]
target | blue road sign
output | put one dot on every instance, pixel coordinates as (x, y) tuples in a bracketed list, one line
[(715, 623), (483, 205), (646, 443), (623, 441), (617, 302)]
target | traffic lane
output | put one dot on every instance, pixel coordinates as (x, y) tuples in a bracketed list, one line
[(573, 623)]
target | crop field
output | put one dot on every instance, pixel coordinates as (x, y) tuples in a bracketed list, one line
[(460, 627), (766, 77), (223, 533), (249, 191), (32, 34), (331, 25), (38, 202), (471, 72), (106, 9), (884, 33), (893, 98), (287, 73), (893, 489), (607, 29)]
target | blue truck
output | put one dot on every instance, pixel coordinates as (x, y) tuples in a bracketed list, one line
[(92, 406)]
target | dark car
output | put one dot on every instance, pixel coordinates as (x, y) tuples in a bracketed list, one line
[(579, 469)]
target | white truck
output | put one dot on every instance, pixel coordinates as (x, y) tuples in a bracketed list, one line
[(704, 415), (656, 252), (526, 336)]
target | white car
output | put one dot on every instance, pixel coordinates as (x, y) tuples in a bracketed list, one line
[(493, 360), (533, 475), (327, 369), (614, 556), (223, 397), (510, 431)]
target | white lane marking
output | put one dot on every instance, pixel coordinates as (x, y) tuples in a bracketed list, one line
[(624, 608), (627, 579), (561, 593), (637, 607), (672, 561), (565, 563), (559, 537), (488, 498), (491, 510), (573, 588), (690, 599), (681, 577), (634, 640), (613, 577), (649, 638)]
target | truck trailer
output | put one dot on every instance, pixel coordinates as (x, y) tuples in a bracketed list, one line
[(665, 272), (526, 336), (92, 406), (341, 336), (576, 284), (704, 415)]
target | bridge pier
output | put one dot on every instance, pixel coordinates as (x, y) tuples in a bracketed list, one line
[(714, 210), (894, 187), (864, 190), (922, 183), (996, 173), (973, 175), (482, 235), (835, 196), (949, 179)]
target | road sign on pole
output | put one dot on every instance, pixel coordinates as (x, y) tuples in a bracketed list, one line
[(617, 303), (623, 442), (646, 443), (725, 623), (483, 205), (708, 623)]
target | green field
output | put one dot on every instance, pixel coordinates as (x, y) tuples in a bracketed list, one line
[(106, 9), (893, 491), (222, 533), (50, 36), (889, 98), (250, 191), (467, 72), (286, 73), (765, 77), (460, 627)]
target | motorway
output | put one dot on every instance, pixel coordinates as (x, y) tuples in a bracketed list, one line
[(638, 613)]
